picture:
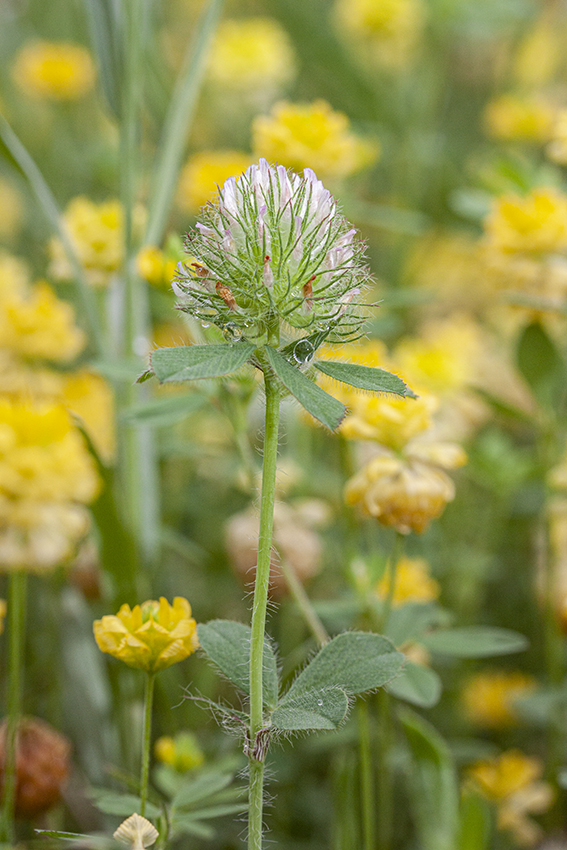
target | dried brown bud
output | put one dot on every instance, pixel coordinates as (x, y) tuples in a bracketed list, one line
[(42, 765)]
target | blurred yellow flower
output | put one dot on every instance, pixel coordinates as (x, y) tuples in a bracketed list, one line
[(389, 29), (536, 223), (512, 780), (413, 583), (488, 697), (40, 325), (151, 636), (540, 52), (389, 420), (96, 233), (12, 206), (251, 54), (155, 267), (54, 70), (204, 172), (182, 753), (514, 118), (46, 478), (88, 396), (14, 275), (406, 491), (311, 135)]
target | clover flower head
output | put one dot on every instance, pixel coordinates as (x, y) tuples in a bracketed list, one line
[(274, 256), (151, 636)]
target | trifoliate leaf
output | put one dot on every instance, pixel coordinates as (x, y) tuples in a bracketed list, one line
[(320, 708), (190, 362)]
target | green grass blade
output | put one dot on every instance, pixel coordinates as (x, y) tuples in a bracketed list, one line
[(103, 26), (178, 123), (48, 204)]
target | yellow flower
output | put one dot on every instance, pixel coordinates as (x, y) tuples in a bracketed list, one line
[(513, 781), (11, 204), (182, 753), (153, 265), (251, 54), (540, 52), (54, 70), (412, 583), (311, 135), (407, 491), (204, 172), (513, 118), (46, 478), (14, 276), (151, 636), (536, 223), (40, 326), (389, 30), (96, 233), (88, 396), (388, 420), (488, 698), (442, 358)]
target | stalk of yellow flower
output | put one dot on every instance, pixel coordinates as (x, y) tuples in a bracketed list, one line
[(146, 741), (16, 609)]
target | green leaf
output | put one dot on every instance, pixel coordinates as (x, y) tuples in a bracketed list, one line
[(189, 826), (364, 377), (163, 411), (204, 785), (540, 363), (213, 812), (189, 362), (475, 642), (435, 785), (417, 684), (171, 148), (321, 708), (124, 805), (227, 644), (354, 661), (410, 622), (328, 410), (475, 823)]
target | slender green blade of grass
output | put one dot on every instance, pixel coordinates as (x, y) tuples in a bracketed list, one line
[(178, 123), (51, 211), (103, 25)]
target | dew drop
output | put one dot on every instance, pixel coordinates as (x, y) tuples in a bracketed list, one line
[(303, 351), (319, 702), (232, 331)]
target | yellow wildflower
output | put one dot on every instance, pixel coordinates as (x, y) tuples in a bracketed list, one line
[(14, 275), (96, 233), (513, 118), (406, 491), (151, 636), (388, 420), (556, 150), (513, 781), (182, 753), (540, 52), (413, 583), (40, 326), (488, 698), (12, 206), (311, 135), (536, 223), (46, 478), (88, 396), (204, 172), (389, 30), (251, 54), (155, 267), (54, 70)]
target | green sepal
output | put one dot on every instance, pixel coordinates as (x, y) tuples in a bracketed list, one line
[(328, 410), (364, 377), (191, 362), (320, 708), (227, 643)]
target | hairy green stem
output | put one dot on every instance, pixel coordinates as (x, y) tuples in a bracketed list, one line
[(16, 627), (256, 759), (146, 741), (303, 602), (366, 778)]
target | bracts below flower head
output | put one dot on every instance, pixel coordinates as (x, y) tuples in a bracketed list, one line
[(273, 254)]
